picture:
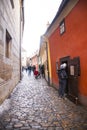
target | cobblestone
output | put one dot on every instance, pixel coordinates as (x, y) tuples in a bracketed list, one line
[(33, 105)]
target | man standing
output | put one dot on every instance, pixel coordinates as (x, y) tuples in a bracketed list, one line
[(62, 80)]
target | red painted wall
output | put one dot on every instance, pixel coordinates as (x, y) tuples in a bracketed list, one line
[(72, 43)]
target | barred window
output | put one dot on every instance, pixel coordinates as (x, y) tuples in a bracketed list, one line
[(12, 3), (62, 27)]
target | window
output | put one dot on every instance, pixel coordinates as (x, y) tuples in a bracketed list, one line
[(62, 27), (12, 4), (8, 45)]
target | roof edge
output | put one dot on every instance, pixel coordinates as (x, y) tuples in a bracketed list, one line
[(61, 7)]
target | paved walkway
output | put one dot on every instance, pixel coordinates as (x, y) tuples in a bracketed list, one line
[(34, 105)]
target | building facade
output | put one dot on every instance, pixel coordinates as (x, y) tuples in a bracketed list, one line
[(23, 58), (67, 37), (11, 23), (34, 61), (43, 56)]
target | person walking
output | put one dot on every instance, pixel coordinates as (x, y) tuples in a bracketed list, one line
[(62, 80), (37, 74), (42, 70), (29, 70), (33, 68)]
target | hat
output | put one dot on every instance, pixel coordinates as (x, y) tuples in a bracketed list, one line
[(63, 66)]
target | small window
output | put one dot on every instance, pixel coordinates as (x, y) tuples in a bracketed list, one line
[(12, 4), (8, 45), (62, 27)]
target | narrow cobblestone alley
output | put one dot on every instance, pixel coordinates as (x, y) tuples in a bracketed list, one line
[(34, 105)]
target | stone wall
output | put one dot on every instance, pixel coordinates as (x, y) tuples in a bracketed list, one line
[(9, 66)]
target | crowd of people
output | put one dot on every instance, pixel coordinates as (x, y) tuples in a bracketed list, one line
[(36, 72)]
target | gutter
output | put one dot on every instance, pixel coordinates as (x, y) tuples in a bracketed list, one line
[(62, 6)]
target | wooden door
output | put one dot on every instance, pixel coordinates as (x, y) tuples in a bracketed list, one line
[(74, 72)]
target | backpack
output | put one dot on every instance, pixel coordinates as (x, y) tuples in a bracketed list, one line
[(63, 74)]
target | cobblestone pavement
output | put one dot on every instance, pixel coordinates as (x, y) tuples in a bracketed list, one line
[(33, 105)]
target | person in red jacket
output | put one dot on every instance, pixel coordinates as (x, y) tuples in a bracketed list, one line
[(36, 73)]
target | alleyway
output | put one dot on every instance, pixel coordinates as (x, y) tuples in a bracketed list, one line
[(34, 105)]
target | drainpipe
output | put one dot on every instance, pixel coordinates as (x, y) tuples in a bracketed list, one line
[(47, 63), (20, 41), (21, 20)]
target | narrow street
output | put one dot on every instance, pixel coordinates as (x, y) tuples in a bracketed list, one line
[(34, 105)]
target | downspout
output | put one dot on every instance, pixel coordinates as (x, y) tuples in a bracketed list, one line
[(21, 19), (20, 41), (47, 63)]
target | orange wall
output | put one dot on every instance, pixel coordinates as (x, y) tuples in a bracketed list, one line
[(72, 43)]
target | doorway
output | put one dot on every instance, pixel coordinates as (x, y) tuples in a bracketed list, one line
[(73, 71), (66, 60)]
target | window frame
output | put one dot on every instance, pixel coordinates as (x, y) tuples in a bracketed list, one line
[(62, 27), (12, 3)]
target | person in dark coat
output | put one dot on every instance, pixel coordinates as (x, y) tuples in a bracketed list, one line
[(62, 80), (42, 71), (29, 70), (33, 68)]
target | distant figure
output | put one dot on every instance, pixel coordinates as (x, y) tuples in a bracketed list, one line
[(62, 80), (22, 68), (36, 74), (42, 71), (26, 69), (29, 70), (33, 68)]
